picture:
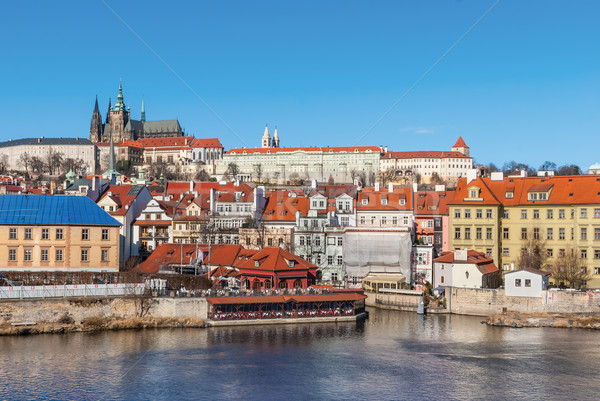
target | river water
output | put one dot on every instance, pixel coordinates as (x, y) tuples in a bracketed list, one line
[(393, 355)]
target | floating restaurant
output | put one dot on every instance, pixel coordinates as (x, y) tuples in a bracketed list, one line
[(293, 306)]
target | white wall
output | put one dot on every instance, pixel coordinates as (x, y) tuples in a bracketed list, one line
[(535, 290)]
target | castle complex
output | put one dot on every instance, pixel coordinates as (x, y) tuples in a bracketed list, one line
[(122, 127)]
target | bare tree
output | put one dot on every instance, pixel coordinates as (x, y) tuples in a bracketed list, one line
[(233, 170), (258, 171), (25, 161), (570, 267), (37, 165), (3, 163), (533, 251)]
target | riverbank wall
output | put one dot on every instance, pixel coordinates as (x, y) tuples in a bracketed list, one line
[(76, 310), (488, 302), (401, 302)]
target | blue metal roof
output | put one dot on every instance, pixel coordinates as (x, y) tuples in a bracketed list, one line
[(53, 210)]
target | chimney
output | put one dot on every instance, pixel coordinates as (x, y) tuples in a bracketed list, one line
[(460, 254), (191, 186), (391, 187), (497, 176), (376, 186), (212, 199), (471, 175), (385, 149)]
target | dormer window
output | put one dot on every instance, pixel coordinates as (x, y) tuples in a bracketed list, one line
[(402, 202), (384, 202), (291, 263), (365, 201), (256, 263), (474, 193), (509, 195)]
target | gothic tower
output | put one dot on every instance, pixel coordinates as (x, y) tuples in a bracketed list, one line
[(266, 138), (275, 139), (143, 116), (119, 117), (96, 125), (106, 127)]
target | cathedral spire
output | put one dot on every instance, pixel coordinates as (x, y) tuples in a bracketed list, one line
[(275, 139), (112, 162), (143, 118), (266, 138), (120, 106), (96, 125), (96, 105)]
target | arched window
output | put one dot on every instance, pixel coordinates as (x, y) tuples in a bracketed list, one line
[(283, 284), (246, 284), (256, 285), (267, 284), (298, 283)]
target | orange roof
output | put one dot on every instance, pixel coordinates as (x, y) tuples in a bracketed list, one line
[(121, 196), (484, 264), (206, 143), (166, 254), (349, 296), (170, 142), (460, 143), (392, 200), (560, 190), (272, 259), (433, 202), (433, 154), (324, 149), (282, 207)]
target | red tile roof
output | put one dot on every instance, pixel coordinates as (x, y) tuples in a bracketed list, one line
[(324, 149), (120, 195), (206, 143), (374, 199), (178, 142), (282, 207), (484, 264), (166, 254), (460, 143), (421, 154), (433, 202)]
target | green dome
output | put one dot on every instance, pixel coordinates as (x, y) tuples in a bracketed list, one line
[(595, 166), (70, 175)]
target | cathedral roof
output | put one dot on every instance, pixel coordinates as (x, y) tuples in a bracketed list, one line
[(151, 127)]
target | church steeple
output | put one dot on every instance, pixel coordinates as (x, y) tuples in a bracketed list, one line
[(275, 139), (120, 106), (143, 117), (266, 138), (96, 125), (112, 161)]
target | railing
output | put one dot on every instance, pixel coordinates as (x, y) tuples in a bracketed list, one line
[(70, 291), (282, 314)]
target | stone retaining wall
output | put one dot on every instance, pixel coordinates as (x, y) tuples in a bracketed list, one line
[(487, 302), (57, 310), (402, 302)]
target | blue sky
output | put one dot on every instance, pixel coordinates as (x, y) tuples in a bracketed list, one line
[(523, 85)]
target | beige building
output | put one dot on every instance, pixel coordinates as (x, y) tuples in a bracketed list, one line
[(56, 233), (20, 152)]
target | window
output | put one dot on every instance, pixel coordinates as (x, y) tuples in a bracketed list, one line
[(405, 220), (339, 259), (536, 213), (536, 233), (457, 233), (596, 253), (549, 214), (59, 255), (505, 252), (12, 233), (85, 234), (517, 282), (318, 259), (28, 233), (549, 252), (318, 241), (44, 255), (523, 233), (584, 213), (550, 233), (467, 213), (505, 233), (596, 270), (334, 276), (584, 254), (105, 234), (561, 253), (596, 213), (362, 219), (340, 241), (596, 234), (561, 233), (27, 255), (457, 214), (478, 213), (488, 252), (524, 214), (442, 279), (12, 255), (248, 241), (478, 234), (45, 233), (583, 234), (170, 159), (488, 233), (561, 213), (84, 255), (506, 214), (383, 220), (329, 259), (467, 233), (269, 241), (301, 240), (488, 213), (527, 282), (395, 220)]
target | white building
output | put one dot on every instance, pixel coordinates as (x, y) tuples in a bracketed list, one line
[(446, 164), (526, 283), (465, 268)]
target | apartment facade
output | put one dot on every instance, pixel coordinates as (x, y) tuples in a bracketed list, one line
[(56, 233)]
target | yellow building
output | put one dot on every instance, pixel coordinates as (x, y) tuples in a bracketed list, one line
[(56, 233), (561, 211)]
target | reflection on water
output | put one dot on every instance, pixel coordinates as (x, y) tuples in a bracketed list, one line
[(393, 355)]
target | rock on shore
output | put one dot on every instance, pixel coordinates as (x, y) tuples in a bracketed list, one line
[(518, 320)]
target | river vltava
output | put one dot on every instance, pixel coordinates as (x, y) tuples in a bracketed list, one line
[(393, 355)]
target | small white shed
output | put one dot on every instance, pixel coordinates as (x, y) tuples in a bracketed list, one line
[(526, 283)]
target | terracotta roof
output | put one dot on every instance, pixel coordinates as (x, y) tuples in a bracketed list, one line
[(166, 254), (324, 149), (282, 207), (484, 264), (392, 199), (273, 259), (122, 195), (206, 143), (433, 202), (349, 296), (421, 154), (562, 190), (177, 142), (460, 143)]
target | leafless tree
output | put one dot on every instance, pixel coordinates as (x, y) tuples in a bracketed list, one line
[(570, 267), (533, 251), (258, 171), (25, 161), (3, 163)]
